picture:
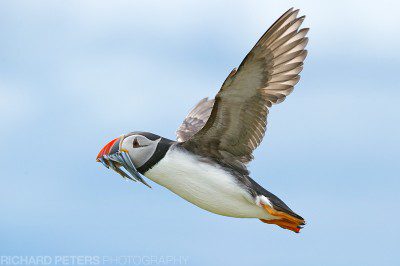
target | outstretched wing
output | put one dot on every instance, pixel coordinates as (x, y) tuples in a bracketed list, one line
[(195, 120), (265, 77)]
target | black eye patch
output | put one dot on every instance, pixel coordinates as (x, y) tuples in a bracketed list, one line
[(135, 143)]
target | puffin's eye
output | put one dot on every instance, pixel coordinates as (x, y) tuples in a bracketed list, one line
[(135, 143)]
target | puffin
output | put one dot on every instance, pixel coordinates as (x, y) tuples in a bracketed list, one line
[(207, 163)]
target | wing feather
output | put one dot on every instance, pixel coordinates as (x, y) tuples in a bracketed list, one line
[(195, 120), (265, 77)]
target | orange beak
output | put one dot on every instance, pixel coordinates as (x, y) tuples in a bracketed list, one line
[(112, 157), (106, 149)]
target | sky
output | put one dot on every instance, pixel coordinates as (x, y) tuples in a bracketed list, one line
[(76, 74)]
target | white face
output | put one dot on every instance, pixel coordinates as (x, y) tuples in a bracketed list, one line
[(139, 148)]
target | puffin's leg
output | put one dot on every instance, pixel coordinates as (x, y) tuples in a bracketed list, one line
[(284, 224), (284, 220)]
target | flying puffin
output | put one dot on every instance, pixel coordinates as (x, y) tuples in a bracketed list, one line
[(206, 165)]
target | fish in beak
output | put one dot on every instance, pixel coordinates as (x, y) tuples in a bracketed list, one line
[(112, 156)]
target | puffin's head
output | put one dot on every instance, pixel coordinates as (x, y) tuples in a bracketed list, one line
[(130, 152)]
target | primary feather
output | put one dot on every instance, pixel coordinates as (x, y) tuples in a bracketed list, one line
[(265, 77)]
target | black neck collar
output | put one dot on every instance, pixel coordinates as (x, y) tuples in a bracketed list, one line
[(162, 148)]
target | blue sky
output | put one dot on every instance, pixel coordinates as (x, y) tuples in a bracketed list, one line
[(75, 74)]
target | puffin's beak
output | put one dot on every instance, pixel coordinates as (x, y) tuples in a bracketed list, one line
[(112, 156)]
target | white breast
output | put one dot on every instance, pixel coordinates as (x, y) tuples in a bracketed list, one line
[(206, 185)]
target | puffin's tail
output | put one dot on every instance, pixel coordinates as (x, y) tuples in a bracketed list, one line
[(281, 214)]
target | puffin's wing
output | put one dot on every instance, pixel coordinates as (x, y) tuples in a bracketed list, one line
[(195, 120), (265, 77)]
